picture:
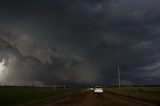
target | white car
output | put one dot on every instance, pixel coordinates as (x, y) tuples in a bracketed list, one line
[(98, 89)]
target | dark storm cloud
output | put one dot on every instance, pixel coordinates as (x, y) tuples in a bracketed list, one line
[(83, 40), (28, 61)]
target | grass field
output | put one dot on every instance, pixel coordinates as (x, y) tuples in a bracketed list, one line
[(10, 96), (151, 94)]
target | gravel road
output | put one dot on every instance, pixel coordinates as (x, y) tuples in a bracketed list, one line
[(88, 98)]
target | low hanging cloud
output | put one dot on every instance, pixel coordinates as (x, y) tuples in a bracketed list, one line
[(39, 64)]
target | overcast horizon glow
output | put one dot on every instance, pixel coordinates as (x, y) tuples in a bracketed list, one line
[(2, 69)]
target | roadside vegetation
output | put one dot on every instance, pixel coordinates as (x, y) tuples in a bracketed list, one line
[(151, 94), (10, 96)]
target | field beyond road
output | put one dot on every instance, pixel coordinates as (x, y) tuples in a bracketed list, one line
[(13, 96), (150, 94)]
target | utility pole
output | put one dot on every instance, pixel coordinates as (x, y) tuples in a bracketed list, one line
[(119, 78)]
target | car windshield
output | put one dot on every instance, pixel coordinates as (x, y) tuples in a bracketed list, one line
[(98, 87)]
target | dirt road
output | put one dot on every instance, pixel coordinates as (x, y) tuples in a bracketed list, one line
[(88, 98)]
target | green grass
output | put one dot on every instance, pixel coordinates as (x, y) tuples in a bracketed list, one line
[(10, 96), (151, 94)]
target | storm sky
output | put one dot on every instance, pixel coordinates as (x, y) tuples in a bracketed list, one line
[(80, 41)]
